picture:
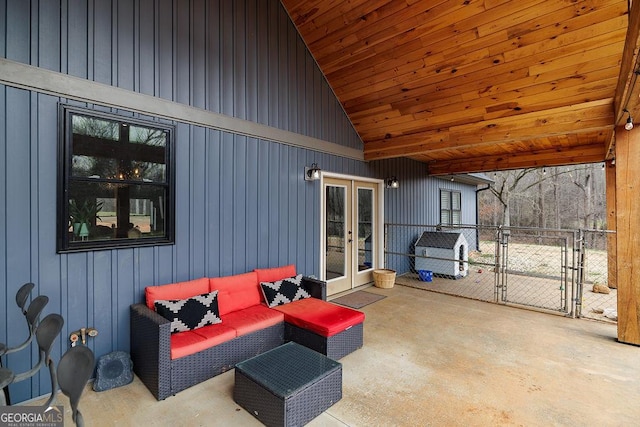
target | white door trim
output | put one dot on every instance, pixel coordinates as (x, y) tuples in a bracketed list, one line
[(379, 261)]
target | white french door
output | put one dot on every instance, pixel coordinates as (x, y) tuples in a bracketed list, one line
[(350, 233)]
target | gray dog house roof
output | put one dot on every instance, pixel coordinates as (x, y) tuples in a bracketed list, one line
[(438, 239)]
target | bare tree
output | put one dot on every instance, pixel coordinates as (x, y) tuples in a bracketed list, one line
[(510, 183), (559, 197)]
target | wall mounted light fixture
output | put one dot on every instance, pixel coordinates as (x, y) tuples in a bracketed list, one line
[(392, 182), (312, 173), (629, 124)]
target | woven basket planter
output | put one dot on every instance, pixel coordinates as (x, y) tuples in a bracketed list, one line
[(384, 278)]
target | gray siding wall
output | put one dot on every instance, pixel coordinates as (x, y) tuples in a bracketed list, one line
[(417, 202), (241, 202), (243, 58)]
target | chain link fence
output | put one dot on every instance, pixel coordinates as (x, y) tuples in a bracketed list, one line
[(552, 270), (458, 261)]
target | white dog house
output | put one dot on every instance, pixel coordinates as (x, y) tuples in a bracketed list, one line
[(447, 254)]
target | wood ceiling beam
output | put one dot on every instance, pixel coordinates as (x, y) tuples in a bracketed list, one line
[(496, 87), (506, 105), (552, 157), (584, 118), (628, 90), (629, 65)]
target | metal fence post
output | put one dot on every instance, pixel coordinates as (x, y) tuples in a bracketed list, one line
[(564, 296), (498, 264), (579, 249), (385, 247)]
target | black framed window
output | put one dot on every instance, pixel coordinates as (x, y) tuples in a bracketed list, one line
[(450, 207), (115, 182)]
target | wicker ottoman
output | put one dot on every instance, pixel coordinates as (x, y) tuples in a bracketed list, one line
[(287, 386)]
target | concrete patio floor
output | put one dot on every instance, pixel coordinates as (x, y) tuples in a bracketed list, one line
[(431, 359)]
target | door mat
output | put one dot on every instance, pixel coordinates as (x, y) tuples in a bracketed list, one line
[(358, 299)]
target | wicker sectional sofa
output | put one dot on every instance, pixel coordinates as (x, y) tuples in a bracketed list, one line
[(168, 363)]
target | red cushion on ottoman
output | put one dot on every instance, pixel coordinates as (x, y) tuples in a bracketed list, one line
[(322, 317)]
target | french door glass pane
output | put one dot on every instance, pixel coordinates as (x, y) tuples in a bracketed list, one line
[(365, 228), (335, 232)]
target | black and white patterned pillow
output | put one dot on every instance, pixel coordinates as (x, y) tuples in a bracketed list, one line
[(283, 291), (191, 313)]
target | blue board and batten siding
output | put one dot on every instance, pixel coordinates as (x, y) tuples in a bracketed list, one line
[(241, 201)]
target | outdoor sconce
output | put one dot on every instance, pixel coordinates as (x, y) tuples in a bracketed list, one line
[(312, 173), (392, 182), (629, 124)]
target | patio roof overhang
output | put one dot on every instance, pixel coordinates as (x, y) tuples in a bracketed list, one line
[(476, 86)]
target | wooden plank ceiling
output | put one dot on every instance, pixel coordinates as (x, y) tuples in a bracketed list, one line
[(476, 85)]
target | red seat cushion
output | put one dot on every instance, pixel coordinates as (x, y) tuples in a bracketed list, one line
[(322, 317), (190, 342), (276, 273), (236, 292), (252, 319), (217, 333), (176, 291)]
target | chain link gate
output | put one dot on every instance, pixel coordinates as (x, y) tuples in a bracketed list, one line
[(547, 269), (534, 268), (595, 298)]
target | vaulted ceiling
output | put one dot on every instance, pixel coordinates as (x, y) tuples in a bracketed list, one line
[(478, 85)]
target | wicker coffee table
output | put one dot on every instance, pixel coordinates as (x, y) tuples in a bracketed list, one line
[(287, 386)]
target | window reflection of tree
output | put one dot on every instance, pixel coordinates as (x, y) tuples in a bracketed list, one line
[(365, 212), (125, 160), (335, 211), (365, 226)]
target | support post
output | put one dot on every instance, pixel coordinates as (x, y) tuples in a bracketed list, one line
[(610, 176), (627, 200)]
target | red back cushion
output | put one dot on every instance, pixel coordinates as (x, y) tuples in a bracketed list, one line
[(276, 273), (236, 292), (180, 290)]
